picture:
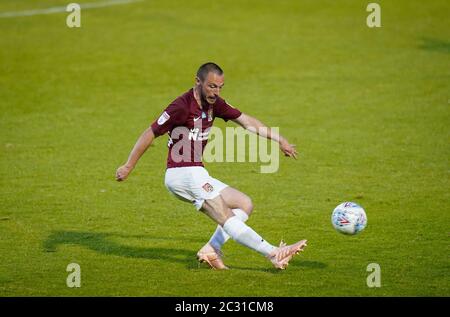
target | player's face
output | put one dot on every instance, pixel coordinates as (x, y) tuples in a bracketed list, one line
[(210, 87)]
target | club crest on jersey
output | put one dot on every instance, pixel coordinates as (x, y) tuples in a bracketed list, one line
[(208, 187), (163, 118)]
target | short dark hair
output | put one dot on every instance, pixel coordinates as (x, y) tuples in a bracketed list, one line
[(207, 68)]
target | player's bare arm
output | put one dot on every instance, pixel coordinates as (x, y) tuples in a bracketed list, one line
[(254, 125), (142, 144)]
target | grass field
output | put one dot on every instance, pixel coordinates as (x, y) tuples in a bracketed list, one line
[(369, 110)]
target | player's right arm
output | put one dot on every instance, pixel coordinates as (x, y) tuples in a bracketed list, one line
[(175, 114), (142, 144)]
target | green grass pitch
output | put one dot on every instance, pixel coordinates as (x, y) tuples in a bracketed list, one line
[(369, 110)]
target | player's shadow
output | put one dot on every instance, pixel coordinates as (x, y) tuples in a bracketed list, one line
[(308, 264), (297, 262), (435, 45), (104, 243)]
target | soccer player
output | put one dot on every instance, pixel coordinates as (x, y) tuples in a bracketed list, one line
[(188, 120)]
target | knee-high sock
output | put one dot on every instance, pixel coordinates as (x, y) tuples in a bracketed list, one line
[(219, 237), (245, 235)]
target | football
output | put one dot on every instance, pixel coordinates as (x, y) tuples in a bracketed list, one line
[(349, 218)]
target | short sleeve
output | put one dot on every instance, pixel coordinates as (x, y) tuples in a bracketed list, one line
[(225, 111), (174, 115)]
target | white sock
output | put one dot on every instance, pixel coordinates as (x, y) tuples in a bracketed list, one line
[(245, 235), (219, 237)]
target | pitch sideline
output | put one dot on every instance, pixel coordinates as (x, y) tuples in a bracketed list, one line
[(92, 5)]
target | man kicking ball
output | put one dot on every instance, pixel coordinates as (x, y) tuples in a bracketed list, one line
[(188, 120)]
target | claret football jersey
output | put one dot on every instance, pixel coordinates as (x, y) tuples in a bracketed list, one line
[(188, 127)]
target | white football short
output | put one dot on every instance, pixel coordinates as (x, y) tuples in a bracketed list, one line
[(192, 184)]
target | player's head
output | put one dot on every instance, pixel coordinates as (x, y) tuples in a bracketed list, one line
[(209, 82)]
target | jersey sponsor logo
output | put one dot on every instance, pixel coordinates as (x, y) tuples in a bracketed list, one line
[(196, 135), (193, 134), (163, 118), (208, 187)]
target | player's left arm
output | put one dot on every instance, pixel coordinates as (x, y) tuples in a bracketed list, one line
[(254, 125)]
